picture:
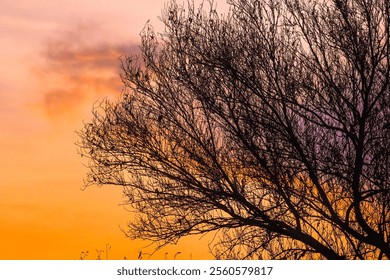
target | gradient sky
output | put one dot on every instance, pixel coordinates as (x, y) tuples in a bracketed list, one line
[(57, 59)]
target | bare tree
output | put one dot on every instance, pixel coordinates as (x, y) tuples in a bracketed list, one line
[(268, 126)]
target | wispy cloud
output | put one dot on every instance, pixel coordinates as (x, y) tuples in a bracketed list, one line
[(79, 65)]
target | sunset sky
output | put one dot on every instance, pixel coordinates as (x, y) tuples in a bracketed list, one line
[(57, 59)]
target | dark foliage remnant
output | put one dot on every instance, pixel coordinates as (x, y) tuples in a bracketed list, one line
[(268, 126)]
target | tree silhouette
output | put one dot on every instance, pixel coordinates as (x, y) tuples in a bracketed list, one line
[(268, 126)]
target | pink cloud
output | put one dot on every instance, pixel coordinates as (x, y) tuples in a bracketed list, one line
[(78, 67)]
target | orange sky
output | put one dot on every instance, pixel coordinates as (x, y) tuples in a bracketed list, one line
[(57, 59)]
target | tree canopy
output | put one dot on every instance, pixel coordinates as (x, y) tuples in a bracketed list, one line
[(267, 126)]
